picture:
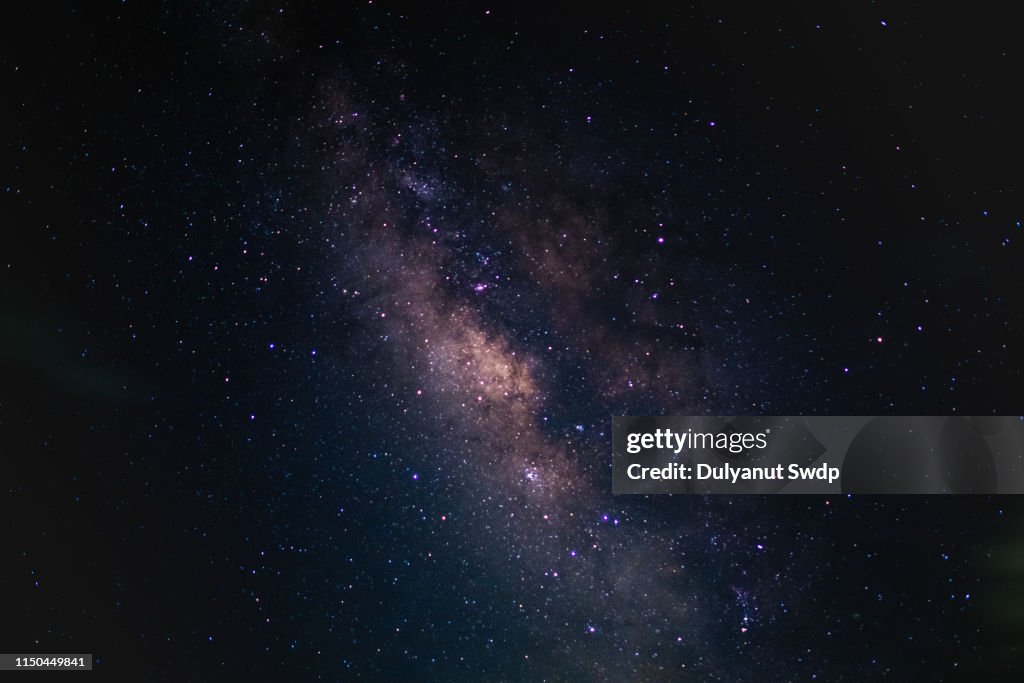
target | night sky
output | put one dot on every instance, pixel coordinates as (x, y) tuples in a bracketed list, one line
[(313, 322)]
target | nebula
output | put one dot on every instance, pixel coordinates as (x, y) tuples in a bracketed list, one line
[(482, 387)]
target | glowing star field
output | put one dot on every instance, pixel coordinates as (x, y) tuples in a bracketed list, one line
[(315, 320)]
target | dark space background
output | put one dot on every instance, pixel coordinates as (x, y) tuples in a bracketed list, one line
[(314, 320)]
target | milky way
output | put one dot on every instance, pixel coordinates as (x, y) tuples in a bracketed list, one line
[(617, 595)]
